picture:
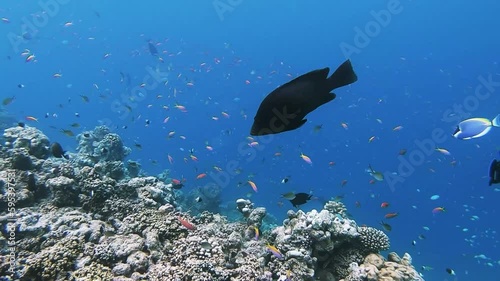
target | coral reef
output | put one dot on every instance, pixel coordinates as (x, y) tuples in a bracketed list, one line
[(373, 240), (244, 206), (94, 217), (28, 139), (64, 191), (329, 240), (254, 216), (375, 267), (207, 198), (100, 145), (6, 120)]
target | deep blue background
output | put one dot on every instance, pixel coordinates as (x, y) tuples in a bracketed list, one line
[(425, 60)]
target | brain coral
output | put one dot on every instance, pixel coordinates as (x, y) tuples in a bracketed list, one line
[(373, 240)]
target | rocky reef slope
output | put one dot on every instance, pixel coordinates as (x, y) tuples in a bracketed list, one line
[(92, 217)]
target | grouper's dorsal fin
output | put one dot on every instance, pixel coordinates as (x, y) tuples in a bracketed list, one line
[(315, 75)]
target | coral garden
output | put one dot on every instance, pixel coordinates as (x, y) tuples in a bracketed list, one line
[(95, 217)]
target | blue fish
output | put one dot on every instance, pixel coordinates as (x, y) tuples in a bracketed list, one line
[(475, 127)]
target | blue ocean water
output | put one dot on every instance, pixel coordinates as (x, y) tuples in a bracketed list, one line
[(419, 66)]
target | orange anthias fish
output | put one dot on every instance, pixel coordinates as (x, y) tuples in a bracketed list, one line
[(438, 210), (384, 205), (306, 158), (200, 176), (186, 224), (30, 58), (31, 118), (253, 144), (253, 185), (181, 108), (391, 215)]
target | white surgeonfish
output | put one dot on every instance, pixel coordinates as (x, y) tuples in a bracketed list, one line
[(475, 127)]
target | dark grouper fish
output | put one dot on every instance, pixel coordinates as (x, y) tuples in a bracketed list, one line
[(152, 49), (284, 109), (57, 150)]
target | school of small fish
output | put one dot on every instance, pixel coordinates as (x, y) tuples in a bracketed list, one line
[(173, 101)]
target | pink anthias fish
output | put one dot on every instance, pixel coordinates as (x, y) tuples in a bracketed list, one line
[(306, 158), (186, 224), (443, 151), (438, 210), (253, 185)]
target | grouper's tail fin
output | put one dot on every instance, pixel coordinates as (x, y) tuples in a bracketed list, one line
[(344, 75), (496, 121)]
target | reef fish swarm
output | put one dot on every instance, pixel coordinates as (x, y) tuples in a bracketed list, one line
[(93, 217)]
